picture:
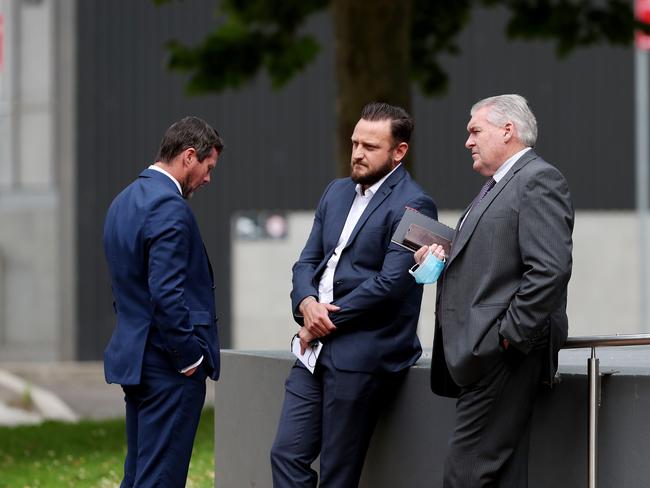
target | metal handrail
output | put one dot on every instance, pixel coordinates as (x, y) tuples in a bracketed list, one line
[(607, 341), (593, 373)]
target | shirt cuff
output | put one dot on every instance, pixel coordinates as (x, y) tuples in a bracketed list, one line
[(185, 370)]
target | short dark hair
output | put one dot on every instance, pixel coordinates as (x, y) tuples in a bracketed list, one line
[(189, 132), (401, 123)]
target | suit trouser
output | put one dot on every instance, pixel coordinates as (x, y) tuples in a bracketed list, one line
[(333, 413), (162, 415), (489, 444)]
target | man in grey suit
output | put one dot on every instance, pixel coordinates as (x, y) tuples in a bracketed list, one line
[(501, 301)]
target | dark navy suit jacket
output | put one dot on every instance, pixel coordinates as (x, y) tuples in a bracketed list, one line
[(379, 300), (161, 279)]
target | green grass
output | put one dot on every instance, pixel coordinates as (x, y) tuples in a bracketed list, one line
[(85, 454)]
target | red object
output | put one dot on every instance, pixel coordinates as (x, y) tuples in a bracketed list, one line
[(643, 14)]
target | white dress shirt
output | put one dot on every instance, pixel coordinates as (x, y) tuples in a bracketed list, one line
[(505, 167), (361, 201), (178, 185)]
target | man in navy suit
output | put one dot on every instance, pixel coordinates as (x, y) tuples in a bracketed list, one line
[(165, 342), (352, 291)]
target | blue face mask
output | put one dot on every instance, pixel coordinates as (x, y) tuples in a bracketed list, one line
[(428, 271)]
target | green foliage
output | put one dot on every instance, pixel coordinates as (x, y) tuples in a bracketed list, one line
[(571, 23), (85, 454), (434, 31), (253, 35), (263, 35)]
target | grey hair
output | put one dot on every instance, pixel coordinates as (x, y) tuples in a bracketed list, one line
[(511, 108)]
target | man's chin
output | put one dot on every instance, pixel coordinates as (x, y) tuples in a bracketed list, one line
[(357, 177), (363, 179)]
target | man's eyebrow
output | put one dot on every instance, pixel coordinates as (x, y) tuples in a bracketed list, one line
[(366, 142)]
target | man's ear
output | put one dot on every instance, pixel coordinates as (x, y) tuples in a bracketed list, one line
[(189, 155), (399, 152), (508, 131)]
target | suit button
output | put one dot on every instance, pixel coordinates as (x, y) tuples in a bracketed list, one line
[(338, 282)]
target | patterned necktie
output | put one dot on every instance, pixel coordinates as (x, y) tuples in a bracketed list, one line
[(489, 184)]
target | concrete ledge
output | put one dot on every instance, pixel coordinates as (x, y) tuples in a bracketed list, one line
[(409, 444)]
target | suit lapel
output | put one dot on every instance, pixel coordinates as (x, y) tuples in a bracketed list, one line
[(340, 208), (463, 235)]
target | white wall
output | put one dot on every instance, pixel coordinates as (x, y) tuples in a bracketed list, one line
[(603, 292)]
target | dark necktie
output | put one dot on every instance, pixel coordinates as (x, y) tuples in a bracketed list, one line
[(489, 184)]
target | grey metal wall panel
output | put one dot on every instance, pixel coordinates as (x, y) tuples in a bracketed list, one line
[(280, 145), (583, 104)]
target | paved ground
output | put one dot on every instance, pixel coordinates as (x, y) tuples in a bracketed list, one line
[(79, 385)]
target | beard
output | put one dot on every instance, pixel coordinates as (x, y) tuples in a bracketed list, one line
[(186, 191), (372, 176)]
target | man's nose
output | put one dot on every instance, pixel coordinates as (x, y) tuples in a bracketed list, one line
[(469, 142)]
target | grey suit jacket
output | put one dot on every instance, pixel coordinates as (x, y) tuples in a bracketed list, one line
[(506, 277)]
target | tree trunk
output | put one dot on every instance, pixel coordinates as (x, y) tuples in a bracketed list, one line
[(372, 62)]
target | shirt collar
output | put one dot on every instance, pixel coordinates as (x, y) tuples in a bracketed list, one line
[(160, 170), (505, 167), (371, 190)]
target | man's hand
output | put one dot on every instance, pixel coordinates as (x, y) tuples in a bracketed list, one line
[(316, 317), (305, 338), (435, 249), (190, 372)]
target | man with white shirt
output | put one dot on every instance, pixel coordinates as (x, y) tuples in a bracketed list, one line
[(501, 300), (352, 292), (165, 341)]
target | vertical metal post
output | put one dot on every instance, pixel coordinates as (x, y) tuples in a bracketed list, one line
[(642, 163), (594, 403)]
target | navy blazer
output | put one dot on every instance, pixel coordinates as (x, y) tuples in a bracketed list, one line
[(161, 279), (379, 300)]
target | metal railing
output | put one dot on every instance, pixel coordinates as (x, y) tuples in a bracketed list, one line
[(593, 373)]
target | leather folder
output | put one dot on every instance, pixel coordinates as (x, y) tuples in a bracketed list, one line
[(416, 230)]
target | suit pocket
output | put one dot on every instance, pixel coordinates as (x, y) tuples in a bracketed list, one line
[(200, 318)]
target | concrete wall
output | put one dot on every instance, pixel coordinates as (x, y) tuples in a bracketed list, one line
[(29, 314), (35, 225), (409, 445), (262, 281)]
